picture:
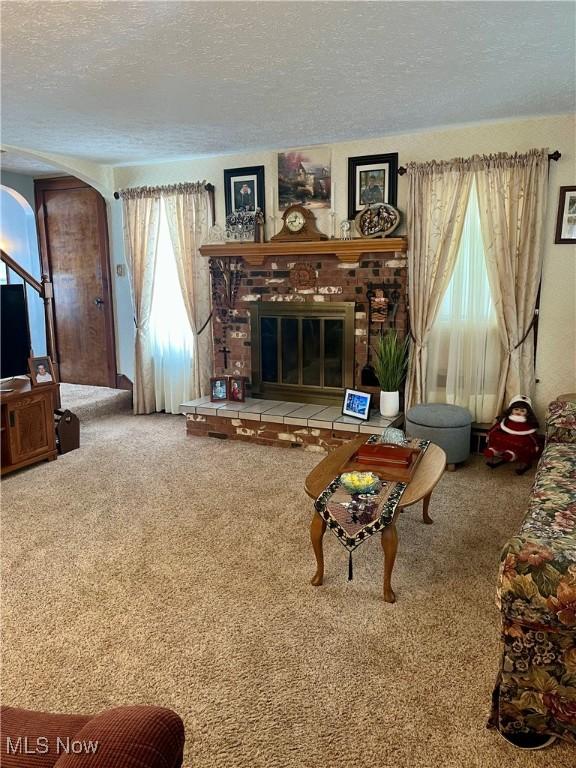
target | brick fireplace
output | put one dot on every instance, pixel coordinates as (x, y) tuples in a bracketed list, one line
[(334, 271)]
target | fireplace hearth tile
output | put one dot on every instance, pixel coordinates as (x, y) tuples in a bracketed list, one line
[(376, 420), (232, 404), (280, 411), (245, 414), (302, 421), (210, 409), (262, 406), (347, 424), (324, 418), (228, 413), (190, 405), (302, 415), (231, 408), (275, 419), (312, 417)]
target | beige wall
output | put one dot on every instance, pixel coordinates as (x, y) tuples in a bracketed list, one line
[(556, 360)]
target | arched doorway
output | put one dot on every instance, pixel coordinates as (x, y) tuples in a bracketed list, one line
[(19, 240)]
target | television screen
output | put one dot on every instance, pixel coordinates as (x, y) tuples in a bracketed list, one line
[(14, 331)]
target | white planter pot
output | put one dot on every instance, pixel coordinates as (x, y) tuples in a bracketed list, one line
[(389, 404)]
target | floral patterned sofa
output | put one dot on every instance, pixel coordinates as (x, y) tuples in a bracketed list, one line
[(536, 687)]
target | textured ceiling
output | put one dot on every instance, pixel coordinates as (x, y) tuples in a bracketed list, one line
[(27, 166), (120, 82)]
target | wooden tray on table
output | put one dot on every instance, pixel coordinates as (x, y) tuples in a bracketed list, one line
[(389, 462)]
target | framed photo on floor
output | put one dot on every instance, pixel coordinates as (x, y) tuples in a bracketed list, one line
[(218, 389), (41, 370), (356, 404), (566, 221), (371, 179), (244, 189)]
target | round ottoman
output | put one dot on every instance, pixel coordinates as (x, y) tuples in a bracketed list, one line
[(446, 425)]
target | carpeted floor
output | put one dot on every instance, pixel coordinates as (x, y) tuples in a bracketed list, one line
[(148, 567), (89, 402)]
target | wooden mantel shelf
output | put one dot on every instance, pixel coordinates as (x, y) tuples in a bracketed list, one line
[(347, 251)]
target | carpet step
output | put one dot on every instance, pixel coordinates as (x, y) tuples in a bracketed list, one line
[(89, 402)]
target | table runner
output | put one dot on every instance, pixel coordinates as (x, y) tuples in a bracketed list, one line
[(408, 442)]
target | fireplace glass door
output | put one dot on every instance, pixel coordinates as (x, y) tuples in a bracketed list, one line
[(302, 352)]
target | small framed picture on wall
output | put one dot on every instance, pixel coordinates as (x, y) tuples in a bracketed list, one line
[(218, 388), (244, 189), (41, 371), (371, 179), (566, 221)]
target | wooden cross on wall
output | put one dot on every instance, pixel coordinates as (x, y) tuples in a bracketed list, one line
[(225, 351)]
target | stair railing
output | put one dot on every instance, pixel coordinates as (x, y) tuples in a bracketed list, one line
[(46, 292)]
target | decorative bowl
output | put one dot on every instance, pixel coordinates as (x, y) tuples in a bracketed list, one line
[(360, 482), (392, 436), (377, 220)]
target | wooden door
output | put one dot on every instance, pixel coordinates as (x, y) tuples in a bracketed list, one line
[(74, 246)]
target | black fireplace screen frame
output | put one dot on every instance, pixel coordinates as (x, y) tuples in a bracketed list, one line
[(300, 392)]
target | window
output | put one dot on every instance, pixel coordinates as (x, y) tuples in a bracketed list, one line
[(464, 350), (18, 239)]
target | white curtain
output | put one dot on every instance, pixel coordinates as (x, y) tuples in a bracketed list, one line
[(512, 194), (141, 219), (171, 338), (464, 348), (164, 227), (437, 198), (189, 214)]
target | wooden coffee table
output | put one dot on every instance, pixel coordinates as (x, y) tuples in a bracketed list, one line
[(427, 475)]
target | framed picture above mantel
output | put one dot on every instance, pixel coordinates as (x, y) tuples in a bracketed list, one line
[(371, 179), (244, 189), (305, 178)]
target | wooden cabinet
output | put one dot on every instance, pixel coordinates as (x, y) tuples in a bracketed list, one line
[(27, 423)]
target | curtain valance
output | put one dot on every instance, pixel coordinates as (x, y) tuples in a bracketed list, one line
[(478, 162), (184, 188)]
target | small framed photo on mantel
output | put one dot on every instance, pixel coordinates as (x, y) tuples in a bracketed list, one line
[(566, 221), (371, 179), (41, 371)]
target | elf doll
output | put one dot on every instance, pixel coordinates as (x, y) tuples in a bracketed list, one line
[(513, 437)]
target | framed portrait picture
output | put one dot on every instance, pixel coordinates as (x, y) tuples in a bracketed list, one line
[(237, 389), (244, 189), (41, 371), (371, 179), (305, 178), (356, 404), (566, 221), (218, 388)]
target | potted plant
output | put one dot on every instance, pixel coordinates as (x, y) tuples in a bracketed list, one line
[(390, 362)]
